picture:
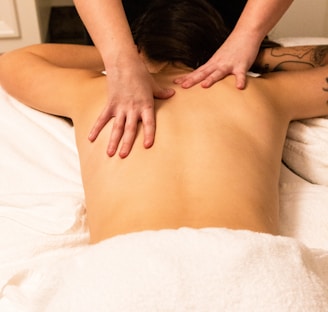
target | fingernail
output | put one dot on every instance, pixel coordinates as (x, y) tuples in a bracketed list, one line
[(147, 144), (110, 152), (123, 154), (205, 84)]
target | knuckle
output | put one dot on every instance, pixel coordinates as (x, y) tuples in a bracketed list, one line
[(127, 141), (118, 127), (130, 127), (148, 104), (104, 118), (224, 68), (149, 123), (111, 106)]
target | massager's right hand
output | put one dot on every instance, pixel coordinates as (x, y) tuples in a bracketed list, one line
[(131, 99)]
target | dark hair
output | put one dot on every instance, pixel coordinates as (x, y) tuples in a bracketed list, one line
[(186, 31)]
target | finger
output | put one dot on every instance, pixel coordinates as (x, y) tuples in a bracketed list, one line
[(213, 78), (184, 78), (149, 127), (241, 80), (179, 80), (116, 134), (130, 132), (101, 121), (195, 77), (163, 93)]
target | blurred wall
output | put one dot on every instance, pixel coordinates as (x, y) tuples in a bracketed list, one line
[(305, 18), (31, 16)]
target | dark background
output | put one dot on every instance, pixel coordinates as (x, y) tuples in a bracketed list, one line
[(65, 26)]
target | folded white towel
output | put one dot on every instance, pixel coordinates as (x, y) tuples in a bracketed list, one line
[(306, 149), (182, 270), (301, 41)]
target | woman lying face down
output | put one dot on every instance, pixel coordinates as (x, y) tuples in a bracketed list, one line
[(216, 158)]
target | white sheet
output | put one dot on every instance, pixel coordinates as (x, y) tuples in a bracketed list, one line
[(42, 216), (41, 195)]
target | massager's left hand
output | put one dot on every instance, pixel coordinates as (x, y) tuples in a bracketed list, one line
[(233, 57)]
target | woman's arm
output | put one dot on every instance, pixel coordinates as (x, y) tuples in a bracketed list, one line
[(51, 78), (133, 88), (239, 51), (291, 58), (300, 83)]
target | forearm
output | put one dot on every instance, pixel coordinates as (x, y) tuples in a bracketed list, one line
[(65, 55), (109, 29), (50, 78), (40, 63), (258, 18), (291, 58)]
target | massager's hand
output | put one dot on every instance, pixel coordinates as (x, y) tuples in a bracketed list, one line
[(233, 57), (131, 99)]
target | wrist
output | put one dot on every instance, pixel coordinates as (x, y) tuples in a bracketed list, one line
[(248, 36), (121, 57)]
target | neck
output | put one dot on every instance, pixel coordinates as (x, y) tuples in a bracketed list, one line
[(168, 73), (161, 67), (173, 68)]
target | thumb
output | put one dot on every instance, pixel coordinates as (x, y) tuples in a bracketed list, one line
[(163, 93), (241, 80)]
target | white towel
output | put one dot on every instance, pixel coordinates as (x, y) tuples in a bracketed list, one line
[(182, 270), (306, 149), (301, 41), (304, 213)]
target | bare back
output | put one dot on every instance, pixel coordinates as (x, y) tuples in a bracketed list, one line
[(216, 157), (215, 163)]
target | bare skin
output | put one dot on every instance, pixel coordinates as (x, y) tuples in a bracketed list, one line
[(110, 31), (216, 158), (255, 22)]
